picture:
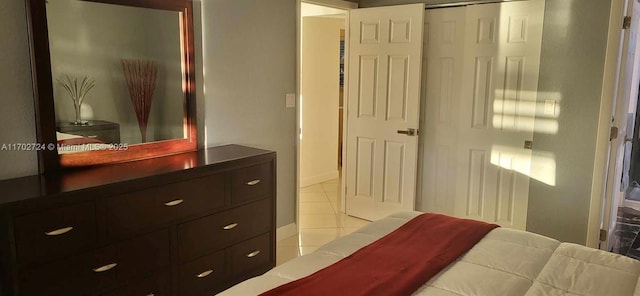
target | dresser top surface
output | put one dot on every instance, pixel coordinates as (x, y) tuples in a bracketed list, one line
[(37, 186)]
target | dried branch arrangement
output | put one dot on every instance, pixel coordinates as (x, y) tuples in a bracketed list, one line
[(77, 90), (141, 80)]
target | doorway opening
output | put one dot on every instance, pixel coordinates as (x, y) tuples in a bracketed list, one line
[(322, 34), (321, 89), (322, 47)]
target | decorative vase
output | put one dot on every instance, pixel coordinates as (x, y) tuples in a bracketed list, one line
[(78, 109), (77, 90), (141, 76)]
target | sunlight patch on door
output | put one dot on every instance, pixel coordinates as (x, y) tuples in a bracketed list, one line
[(538, 165), (526, 111)]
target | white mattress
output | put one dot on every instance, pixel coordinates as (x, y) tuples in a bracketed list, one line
[(505, 262)]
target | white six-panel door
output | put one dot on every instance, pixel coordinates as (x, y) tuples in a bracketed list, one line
[(484, 115), (385, 57), (442, 89)]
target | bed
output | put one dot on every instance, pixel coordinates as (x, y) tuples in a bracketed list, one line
[(504, 262)]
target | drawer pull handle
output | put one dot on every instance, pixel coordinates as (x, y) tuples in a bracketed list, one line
[(230, 226), (174, 202), (205, 273), (105, 268), (253, 254), (92, 136), (59, 231), (254, 182)]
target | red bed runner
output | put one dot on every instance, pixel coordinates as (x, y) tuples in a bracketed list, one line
[(398, 263)]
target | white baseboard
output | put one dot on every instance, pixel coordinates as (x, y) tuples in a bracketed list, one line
[(310, 180), (286, 231)]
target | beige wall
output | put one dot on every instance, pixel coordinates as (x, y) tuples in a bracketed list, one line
[(572, 65), (249, 56), (319, 92), (16, 98)]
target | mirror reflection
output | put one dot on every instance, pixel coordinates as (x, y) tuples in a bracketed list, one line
[(117, 74)]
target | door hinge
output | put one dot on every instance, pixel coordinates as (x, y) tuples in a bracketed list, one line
[(613, 134), (626, 22), (603, 235)]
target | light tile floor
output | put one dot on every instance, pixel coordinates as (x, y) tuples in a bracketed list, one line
[(321, 220)]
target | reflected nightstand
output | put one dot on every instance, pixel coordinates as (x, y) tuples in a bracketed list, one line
[(105, 131)]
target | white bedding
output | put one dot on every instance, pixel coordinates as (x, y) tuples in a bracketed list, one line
[(505, 262)]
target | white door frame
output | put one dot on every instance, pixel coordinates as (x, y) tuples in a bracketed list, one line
[(602, 193), (340, 4)]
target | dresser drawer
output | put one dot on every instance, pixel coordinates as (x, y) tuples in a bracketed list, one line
[(251, 183), (54, 233), (222, 229), (250, 256), (203, 276), (156, 206), (156, 285), (90, 273)]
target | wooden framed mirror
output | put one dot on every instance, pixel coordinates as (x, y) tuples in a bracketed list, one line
[(113, 80)]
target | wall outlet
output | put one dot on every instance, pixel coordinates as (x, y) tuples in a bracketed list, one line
[(549, 107), (290, 100)]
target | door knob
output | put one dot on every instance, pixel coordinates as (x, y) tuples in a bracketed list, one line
[(409, 132)]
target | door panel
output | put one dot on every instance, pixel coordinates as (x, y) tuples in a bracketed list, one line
[(385, 52), (394, 159), (397, 98), (475, 197), (504, 40), (368, 84), (444, 48), (482, 92), (496, 72), (364, 167)]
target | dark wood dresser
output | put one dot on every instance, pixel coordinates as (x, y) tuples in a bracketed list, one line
[(187, 224)]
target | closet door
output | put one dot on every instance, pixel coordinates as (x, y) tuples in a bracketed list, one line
[(442, 90), (477, 158)]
